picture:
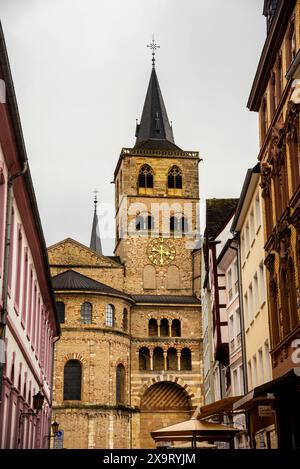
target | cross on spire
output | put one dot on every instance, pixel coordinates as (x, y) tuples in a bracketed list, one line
[(153, 46)]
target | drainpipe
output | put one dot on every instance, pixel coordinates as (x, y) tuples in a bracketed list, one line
[(7, 246), (242, 323), (51, 389)]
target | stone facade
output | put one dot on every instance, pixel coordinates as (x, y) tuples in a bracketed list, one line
[(152, 285)]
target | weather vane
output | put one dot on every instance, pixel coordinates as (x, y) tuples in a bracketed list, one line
[(96, 198), (153, 46)]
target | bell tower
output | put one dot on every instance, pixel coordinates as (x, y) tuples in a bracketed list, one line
[(156, 199)]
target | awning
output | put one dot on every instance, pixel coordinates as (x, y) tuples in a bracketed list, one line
[(249, 401), (292, 377), (223, 406), (264, 394)]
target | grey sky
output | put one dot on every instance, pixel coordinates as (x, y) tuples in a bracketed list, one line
[(81, 69)]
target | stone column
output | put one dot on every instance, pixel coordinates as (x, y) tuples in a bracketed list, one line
[(170, 328), (151, 359), (178, 359), (158, 327), (165, 360)]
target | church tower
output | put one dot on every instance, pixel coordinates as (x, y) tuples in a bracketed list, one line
[(156, 199)]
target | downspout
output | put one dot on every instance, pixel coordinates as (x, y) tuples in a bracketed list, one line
[(242, 322), (7, 247), (51, 387)]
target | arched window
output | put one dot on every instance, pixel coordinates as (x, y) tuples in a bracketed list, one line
[(146, 177), (164, 328), (139, 223), (125, 319), (110, 315), (153, 328), (293, 145), (176, 329), (284, 296), (120, 384), (144, 359), (273, 97), (292, 294), (158, 358), (278, 79), (263, 120), (185, 359), (86, 313), (172, 359), (183, 224), (174, 178), (60, 308), (173, 223), (149, 222), (72, 380)]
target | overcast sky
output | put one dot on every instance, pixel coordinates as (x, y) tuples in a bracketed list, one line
[(81, 70)]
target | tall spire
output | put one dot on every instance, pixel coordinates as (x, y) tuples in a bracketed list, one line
[(95, 243), (154, 128)]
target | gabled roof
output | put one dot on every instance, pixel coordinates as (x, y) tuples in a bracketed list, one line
[(154, 121), (57, 255), (72, 280), (218, 213)]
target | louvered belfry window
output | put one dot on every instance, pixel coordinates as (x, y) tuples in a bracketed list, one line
[(146, 176), (72, 380), (175, 178)]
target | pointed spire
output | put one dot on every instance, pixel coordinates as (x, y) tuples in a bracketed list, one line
[(154, 125), (95, 243), (154, 122)]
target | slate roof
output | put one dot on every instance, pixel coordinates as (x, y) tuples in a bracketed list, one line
[(167, 299), (156, 144), (95, 243), (72, 280), (154, 122), (218, 212)]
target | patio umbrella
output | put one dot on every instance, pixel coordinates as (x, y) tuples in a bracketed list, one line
[(195, 430)]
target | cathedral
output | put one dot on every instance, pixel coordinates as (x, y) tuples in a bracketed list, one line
[(129, 359)]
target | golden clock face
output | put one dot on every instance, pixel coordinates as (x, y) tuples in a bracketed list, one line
[(161, 251)]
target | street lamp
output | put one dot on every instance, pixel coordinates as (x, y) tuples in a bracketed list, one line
[(38, 400), (54, 426)]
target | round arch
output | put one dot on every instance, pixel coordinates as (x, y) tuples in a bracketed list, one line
[(168, 379), (162, 403)]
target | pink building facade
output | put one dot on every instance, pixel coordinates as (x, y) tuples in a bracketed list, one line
[(28, 317)]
